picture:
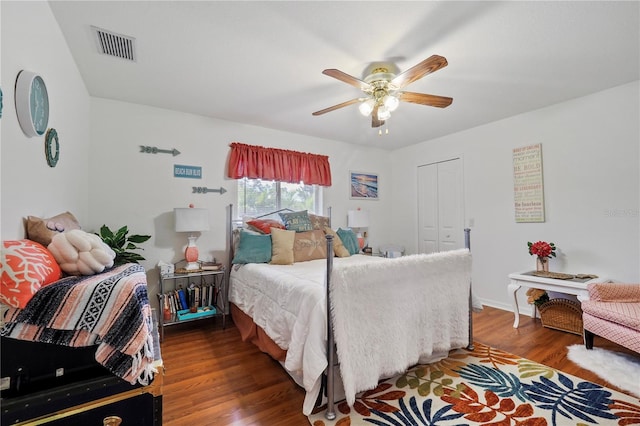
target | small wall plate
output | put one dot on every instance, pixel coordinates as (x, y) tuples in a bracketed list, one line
[(52, 147)]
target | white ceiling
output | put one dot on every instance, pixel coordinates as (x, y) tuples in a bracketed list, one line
[(261, 62)]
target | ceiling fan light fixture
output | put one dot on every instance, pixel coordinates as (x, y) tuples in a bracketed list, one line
[(391, 102), (366, 107), (383, 88)]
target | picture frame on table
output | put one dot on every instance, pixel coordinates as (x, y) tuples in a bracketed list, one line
[(363, 186)]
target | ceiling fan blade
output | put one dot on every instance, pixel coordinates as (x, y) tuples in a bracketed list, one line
[(338, 106), (346, 78), (424, 99), (429, 65), (374, 118)]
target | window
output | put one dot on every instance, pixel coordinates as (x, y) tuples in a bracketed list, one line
[(257, 197)]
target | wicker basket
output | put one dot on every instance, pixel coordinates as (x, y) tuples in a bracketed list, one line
[(562, 314)]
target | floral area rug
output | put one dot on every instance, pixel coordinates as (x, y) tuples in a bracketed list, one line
[(486, 386)]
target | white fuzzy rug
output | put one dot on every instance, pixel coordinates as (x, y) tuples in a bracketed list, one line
[(619, 369)]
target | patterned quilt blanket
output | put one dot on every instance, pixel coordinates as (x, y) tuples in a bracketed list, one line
[(110, 309)]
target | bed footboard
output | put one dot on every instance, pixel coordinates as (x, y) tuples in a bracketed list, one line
[(330, 413)]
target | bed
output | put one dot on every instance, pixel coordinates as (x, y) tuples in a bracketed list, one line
[(283, 309), (109, 311)]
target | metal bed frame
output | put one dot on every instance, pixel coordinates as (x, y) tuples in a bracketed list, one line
[(330, 413), (331, 349)]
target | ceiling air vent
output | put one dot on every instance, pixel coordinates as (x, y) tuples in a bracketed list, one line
[(113, 44)]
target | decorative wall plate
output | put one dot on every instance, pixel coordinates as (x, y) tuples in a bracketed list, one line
[(52, 147), (32, 103)]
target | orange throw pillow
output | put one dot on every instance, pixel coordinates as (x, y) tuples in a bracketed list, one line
[(26, 266), (265, 225)]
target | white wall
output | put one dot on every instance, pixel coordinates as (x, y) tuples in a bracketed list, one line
[(31, 40), (138, 189), (590, 155), (590, 149)]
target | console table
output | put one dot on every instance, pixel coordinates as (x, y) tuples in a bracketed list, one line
[(575, 286)]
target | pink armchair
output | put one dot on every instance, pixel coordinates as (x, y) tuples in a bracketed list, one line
[(613, 312)]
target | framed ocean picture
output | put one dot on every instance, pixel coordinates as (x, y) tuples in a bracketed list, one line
[(364, 186)]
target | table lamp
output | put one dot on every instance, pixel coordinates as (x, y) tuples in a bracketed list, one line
[(356, 220), (191, 220)]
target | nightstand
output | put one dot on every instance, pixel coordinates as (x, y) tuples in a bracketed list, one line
[(192, 296)]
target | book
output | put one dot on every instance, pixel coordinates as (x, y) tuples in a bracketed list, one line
[(172, 303), (209, 266), (183, 299)]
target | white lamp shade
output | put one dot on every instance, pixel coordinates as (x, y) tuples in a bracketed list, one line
[(391, 102), (366, 107), (358, 218), (383, 113), (191, 220)]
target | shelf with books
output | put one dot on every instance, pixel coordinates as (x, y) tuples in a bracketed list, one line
[(191, 296)]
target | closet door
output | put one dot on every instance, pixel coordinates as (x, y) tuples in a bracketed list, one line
[(440, 206), (428, 208)]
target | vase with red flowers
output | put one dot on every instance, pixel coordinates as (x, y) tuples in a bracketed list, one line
[(543, 251)]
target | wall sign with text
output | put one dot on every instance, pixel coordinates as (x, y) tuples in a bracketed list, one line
[(192, 172), (528, 188)]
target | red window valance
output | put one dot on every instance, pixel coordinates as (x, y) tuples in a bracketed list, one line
[(257, 162)]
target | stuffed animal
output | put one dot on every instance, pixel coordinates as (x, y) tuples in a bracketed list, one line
[(80, 253)]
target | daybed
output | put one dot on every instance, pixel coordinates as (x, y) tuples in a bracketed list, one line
[(76, 340), (612, 312), (283, 308)]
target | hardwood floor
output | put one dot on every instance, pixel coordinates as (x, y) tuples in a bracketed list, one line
[(213, 378)]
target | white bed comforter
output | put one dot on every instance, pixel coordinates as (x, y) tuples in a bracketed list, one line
[(289, 303)]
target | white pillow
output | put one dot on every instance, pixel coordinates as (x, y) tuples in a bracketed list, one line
[(80, 253)]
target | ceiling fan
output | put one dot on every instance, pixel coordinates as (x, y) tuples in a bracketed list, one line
[(383, 89)]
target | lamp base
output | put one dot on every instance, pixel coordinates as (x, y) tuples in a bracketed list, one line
[(360, 238), (191, 255)]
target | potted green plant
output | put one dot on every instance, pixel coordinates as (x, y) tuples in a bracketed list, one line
[(121, 244)]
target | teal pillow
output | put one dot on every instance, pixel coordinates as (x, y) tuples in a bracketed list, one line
[(253, 248), (349, 240), (297, 221)]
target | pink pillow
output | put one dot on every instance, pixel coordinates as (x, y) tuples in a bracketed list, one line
[(26, 266), (43, 230)]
